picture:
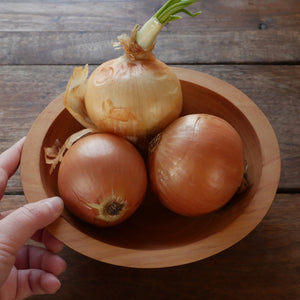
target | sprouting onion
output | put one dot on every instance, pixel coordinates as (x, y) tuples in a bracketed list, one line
[(134, 96)]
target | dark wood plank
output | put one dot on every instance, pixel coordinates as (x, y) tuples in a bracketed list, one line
[(50, 37), (113, 15), (26, 90), (68, 32), (254, 46), (264, 265)]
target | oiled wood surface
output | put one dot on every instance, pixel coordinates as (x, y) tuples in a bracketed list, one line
[(254, 45)]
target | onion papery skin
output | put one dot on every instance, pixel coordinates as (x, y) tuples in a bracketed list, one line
[(134, 98), (102, 179), (196, 165)]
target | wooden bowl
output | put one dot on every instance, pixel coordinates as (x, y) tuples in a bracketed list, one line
[(154, 237)]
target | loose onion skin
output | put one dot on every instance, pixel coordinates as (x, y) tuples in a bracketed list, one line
[(102, 179), (197, 164)]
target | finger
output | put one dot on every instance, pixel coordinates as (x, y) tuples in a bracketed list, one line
[(42, 236), (8, 288), (51, 243), (36, 282), (31, 257), (9, 162), (9, 159), (20, 225)]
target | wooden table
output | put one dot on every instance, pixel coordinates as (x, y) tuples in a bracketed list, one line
[(254, 45)]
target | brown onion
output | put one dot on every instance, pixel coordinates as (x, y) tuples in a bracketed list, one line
[(135, 95), (196, 165), (102, 179), (133, 98)]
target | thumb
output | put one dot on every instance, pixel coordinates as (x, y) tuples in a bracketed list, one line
[(20, 225)]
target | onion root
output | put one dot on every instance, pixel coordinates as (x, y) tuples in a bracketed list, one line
[(111, 209)]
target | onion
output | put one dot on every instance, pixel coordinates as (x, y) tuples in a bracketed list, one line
[(196, 164), (135, 95), (102, 179)]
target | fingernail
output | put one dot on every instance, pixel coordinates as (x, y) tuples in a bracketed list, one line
[(56, 204)]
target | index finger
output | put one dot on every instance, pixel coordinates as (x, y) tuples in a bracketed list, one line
[(9, 159), (9, 162)]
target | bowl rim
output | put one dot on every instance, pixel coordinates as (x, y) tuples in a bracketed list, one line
[(159, 258)]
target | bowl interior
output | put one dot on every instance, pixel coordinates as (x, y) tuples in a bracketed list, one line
[(153, 226)]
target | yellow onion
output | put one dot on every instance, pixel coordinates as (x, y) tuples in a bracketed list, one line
[(197, 164), (133, 98), (135, 95), (102, 179)]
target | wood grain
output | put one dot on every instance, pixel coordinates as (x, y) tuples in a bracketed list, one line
[(27, 90), (37, 40), (249, 270), (102, 16), (68, 32), (94, 48)]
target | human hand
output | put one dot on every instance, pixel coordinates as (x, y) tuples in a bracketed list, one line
[(27, 270)]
